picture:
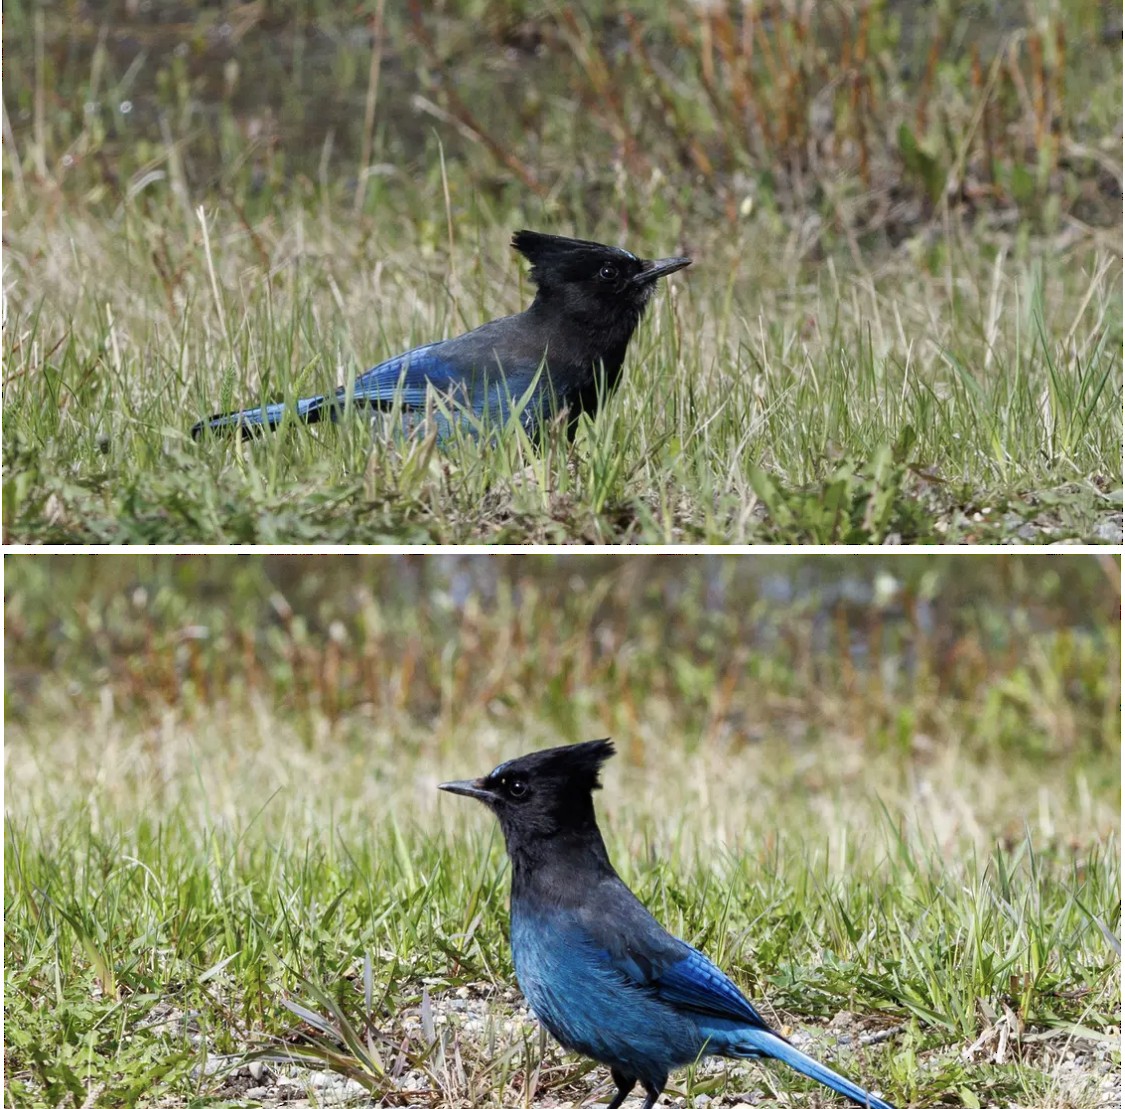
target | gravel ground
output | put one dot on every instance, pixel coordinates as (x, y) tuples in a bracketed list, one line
[(468, 1029)]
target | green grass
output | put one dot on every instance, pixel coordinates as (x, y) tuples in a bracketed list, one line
[(951, 406), (853, 357), (221, 816)]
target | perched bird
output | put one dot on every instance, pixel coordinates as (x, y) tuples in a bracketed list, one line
[(563, 353), (596, 968)]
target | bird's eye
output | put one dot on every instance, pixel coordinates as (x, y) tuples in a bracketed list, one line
[(608, 273), (517, 787)]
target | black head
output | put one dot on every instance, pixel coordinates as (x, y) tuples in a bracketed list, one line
[(544, 793), (586, 278)]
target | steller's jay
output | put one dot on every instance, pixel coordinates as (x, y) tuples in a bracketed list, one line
[(563, 353), (596, 968)]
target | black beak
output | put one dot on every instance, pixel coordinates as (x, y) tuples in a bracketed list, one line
[(468, 789), (658, 268)]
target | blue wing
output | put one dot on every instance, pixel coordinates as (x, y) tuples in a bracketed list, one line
[(464, 372), (411, 375), (463, 375), (635, 944), (694, 982)]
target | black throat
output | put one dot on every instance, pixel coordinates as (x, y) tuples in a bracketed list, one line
[(557, 864), (585, 351)]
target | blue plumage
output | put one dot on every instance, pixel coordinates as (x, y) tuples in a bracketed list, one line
[(563, 354), (425, 375), (597, 969)]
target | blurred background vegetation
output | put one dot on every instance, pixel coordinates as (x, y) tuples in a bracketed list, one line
[(1005, 653), (837, 120)]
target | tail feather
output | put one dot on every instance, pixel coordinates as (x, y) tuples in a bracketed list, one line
[(252, 421), (758, 1042)]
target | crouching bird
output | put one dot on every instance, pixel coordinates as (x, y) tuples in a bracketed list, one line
[(563, 353), (596, 968)]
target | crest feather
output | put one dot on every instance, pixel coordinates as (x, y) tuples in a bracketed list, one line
[(555, 256), (576, 764)]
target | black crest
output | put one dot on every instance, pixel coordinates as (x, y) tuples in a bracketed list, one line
[(555, 258), (571, 768)]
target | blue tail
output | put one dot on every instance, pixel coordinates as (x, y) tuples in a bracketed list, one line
[(252, 421), (756, 1042)]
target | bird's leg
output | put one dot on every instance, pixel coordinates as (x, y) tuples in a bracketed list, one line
[(624, 1085), (653, 1093)]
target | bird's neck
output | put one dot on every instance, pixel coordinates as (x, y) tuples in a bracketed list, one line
[(561, 864), (587, 334)]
